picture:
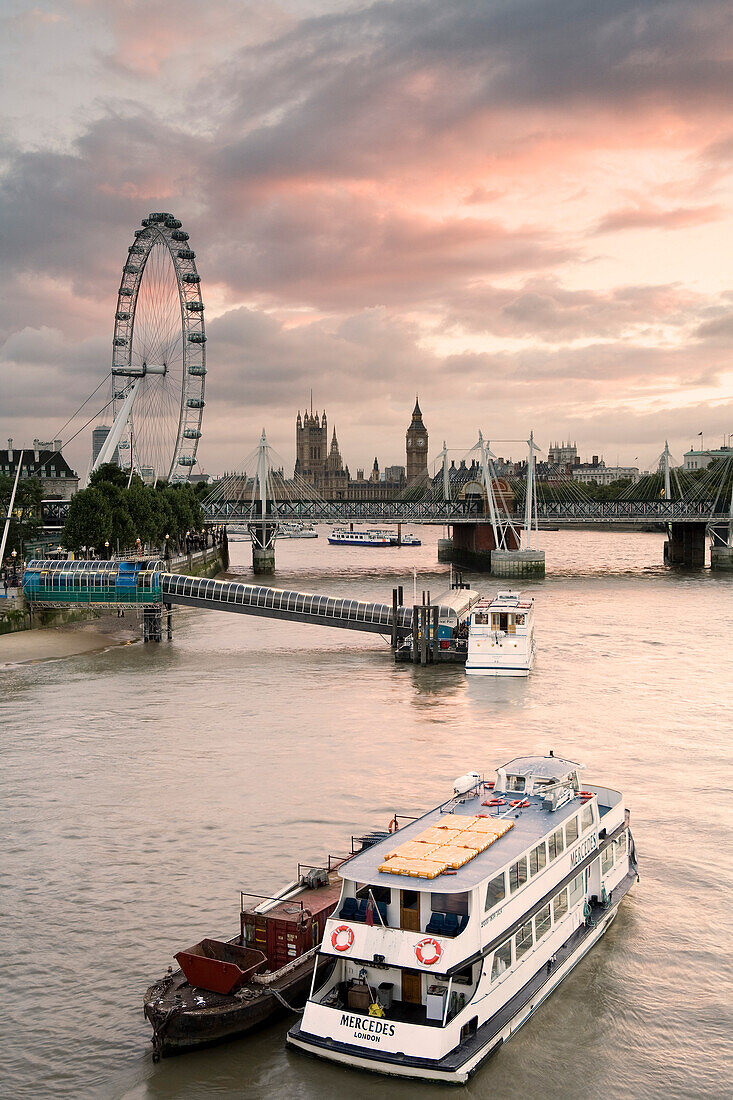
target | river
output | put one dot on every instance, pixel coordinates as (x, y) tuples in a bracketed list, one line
[(141, 786)]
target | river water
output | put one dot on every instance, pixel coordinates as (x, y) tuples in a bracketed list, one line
[(142, 786)]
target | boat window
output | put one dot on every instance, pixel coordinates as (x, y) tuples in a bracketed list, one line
[(607, 859), (523, 940), (449, 903), (520, 620), (560, 905), (621, 845), (495, 891), (571, 831), (515, 783), (495, 620), (537, 859), (586, 817), (542, 922), (480, 619), (517, 874), (576, 889), (556, 844), (502, 960)]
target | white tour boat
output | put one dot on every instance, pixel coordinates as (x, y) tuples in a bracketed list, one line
[(450, 933), (341, 537), (501, 636)]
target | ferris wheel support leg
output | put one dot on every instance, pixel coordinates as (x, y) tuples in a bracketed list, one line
[(110, 444)]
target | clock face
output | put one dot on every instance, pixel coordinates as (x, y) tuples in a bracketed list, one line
[(420, 441)]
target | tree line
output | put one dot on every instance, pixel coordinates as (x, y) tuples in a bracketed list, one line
[(110, 511)]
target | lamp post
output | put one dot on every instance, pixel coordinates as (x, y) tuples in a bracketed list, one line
[(106, 548), (167, 548), (14, 554)]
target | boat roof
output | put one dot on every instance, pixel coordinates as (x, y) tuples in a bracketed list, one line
[(506, 601), (542, 767), (458, 599), (531, 824)]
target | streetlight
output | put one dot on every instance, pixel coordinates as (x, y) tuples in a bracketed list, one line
[(106, 548), (13, 555)]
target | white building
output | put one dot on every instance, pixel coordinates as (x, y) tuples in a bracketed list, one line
[(700, 460), (598, 472)]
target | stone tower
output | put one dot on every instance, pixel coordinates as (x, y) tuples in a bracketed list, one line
[(416, 446), (311, 446)]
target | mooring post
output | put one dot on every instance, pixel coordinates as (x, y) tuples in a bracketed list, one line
[(415, 651), (400, 595), (394, 618), (399, 534), (436, 644), (169, 620), (423, 635)]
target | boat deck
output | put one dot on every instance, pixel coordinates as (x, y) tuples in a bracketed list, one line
[(531, 824)]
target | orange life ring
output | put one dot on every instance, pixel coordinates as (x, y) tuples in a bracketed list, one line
[(335, 941), (516, 802), (422, 955), (393, 825), (496, 802)]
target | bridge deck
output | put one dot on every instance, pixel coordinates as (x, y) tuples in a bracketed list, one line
[(304, 607)]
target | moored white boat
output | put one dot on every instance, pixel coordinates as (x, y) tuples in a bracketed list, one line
[(501, 636), (449, 934), (341, 537)]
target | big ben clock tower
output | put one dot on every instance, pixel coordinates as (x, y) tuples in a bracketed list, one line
[(416, 445)]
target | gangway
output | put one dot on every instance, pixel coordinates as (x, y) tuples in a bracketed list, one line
[(303, 607)]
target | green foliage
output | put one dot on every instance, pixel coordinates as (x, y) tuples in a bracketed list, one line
[(110, 473), (26, 520), (108, 510)]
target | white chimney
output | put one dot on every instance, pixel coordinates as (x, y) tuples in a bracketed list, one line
[(10, 450)]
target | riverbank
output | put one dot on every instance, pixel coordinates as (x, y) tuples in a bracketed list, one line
[(68, 640)]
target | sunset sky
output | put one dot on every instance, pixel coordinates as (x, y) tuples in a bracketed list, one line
[(519, 208)]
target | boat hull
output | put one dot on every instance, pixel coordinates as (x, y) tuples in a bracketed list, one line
[(189, 1028), (460, 1064)]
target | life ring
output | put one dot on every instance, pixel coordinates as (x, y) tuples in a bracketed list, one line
[(496, 802), (336, 941), (517, 801), (393, 825), (423, 955)]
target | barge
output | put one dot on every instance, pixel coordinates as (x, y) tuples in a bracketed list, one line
[(224, 988), (480, 908)]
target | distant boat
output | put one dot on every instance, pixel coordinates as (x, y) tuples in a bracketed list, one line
[(341, 537), (395, 540)]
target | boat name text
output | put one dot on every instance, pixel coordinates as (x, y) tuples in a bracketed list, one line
[(370, 1027), (583, 850)]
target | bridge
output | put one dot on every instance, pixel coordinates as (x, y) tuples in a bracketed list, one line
[(144, 586), (494, 521)]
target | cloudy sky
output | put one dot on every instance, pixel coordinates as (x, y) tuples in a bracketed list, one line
[(519, 208)]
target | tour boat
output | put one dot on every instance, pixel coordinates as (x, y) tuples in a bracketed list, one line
[(450, 933), (501, 636), (341, 537), (226, 987)]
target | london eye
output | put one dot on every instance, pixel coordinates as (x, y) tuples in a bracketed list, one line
[(158, 356)]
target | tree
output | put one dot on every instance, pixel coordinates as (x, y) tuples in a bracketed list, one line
[(109, 473), (89, 521), (26, 519)]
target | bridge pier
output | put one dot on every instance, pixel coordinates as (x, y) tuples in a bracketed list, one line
[(518, 564), (263, 547), (721, 552), (685, 545)]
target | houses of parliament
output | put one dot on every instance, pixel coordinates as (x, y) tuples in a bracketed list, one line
[(319, 462)]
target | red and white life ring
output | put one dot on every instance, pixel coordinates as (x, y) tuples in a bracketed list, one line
[(336, 938), (428, 951)]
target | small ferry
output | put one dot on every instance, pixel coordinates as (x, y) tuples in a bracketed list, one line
[(341, 537), (224, 988), (501, 636), (450, 933)]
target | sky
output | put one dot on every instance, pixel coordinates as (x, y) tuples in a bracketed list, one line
[(519, 209)]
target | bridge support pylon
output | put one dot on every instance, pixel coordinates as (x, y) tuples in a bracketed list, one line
[(263, 547), (518, 564), (685, 545)]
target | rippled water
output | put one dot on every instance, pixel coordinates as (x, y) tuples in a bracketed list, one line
[(142, 786)]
